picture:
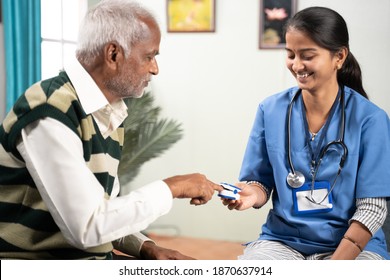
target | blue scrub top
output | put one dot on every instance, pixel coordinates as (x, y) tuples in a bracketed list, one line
[(366, 171)]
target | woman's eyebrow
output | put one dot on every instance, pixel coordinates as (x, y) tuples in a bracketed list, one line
[(302, 50)]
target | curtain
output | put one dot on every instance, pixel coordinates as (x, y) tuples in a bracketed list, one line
[(22, 44)]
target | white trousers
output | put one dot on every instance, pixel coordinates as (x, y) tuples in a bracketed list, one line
[(274, 250)]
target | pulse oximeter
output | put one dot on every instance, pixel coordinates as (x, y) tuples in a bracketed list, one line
[(229, 192)]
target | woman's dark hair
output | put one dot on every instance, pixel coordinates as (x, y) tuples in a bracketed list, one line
[(329, 30)]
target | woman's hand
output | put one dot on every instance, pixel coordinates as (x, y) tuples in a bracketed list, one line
[(250, 196)]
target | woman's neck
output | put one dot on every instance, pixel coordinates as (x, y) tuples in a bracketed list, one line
[(317, 107)]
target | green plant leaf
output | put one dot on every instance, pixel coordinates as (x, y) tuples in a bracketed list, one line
[(146, 136)]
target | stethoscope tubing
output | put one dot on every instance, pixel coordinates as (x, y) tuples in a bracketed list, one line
[(339, 141)]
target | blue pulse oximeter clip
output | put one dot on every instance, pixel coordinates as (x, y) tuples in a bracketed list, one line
[(229, 192)]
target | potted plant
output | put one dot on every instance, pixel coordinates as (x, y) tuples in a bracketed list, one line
[(146, 136)]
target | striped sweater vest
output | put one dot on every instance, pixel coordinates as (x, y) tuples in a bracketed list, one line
[(27, 230)]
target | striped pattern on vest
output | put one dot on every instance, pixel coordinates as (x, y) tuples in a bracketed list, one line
[(27, 230)]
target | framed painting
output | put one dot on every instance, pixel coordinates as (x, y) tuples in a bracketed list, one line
[(273, 16), (191, 15)]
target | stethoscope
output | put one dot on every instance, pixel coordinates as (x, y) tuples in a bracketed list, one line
[(296, 179)]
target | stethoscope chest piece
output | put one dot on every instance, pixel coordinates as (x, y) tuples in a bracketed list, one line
[(296, 179)]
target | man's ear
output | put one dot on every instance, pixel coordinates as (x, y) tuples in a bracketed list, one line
[(113, 54)]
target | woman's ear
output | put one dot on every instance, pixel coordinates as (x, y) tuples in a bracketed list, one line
[(341, 56)]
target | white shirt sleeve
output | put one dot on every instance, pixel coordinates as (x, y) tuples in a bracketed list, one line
[(131, 244), (75, 198)]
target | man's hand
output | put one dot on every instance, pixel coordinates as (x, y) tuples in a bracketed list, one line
[(150, 251), (195, 186)]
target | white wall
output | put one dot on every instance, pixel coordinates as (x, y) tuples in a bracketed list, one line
[(212, 83)]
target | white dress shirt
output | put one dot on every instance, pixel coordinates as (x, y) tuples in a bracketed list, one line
[(75, 198)]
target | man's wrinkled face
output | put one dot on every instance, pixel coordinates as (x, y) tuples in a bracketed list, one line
[(138, 67)]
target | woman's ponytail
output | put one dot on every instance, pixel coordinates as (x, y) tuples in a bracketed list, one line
[(351, 75)]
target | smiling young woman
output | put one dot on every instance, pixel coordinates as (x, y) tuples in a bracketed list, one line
[(328, 201)]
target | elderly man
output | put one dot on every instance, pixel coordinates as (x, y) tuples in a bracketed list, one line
[(61, 145)]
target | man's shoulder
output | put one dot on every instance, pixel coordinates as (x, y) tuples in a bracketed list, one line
[(57, 91)]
